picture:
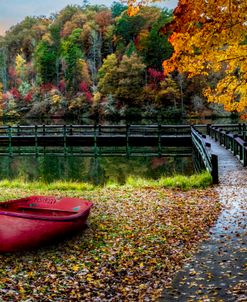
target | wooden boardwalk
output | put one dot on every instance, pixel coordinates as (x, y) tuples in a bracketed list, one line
[(218, 271), (96, 140), (229, 166)]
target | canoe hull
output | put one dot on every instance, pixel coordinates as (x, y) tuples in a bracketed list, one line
[(24, 227)]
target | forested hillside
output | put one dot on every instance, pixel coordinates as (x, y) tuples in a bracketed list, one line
[(94, 61)]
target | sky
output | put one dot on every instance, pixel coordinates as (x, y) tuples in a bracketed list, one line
[(13, 11)]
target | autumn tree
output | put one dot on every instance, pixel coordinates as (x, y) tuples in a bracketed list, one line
[(131, 73), (210, 36), (169, 93), (23, 38), (77, 20), (66, 15), (124, 80)]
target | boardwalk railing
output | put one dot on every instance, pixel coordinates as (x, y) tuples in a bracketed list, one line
[(202, 149), (75, 130), (239, 129), (94, 137), (236, 143)]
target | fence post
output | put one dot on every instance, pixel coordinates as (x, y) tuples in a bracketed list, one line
[(221, 140), (235, 145), (95, 141), (239, 128), (208, 129), (215, 134), (65, 140), (10, 140), (127, 140), (36, 140), (245, 154), (159, 140), (215, 172)]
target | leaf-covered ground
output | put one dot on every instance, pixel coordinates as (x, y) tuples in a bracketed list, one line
[(136, 239)]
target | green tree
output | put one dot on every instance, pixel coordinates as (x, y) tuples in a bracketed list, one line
[(72, 54), (108, 79), (3, 67), (117, 8), (130, 49), (156, 47), (127, 28), (46, 57)]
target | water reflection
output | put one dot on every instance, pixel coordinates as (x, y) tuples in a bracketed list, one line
[(93, 170)]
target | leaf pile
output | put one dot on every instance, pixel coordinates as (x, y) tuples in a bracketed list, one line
[(135, 241)]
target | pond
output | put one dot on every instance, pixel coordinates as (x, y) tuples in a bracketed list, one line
[(90, 169)]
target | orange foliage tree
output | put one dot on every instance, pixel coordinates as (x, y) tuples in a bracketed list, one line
[(210, 36)]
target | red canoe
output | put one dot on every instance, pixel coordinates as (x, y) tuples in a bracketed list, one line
[(30, 222)]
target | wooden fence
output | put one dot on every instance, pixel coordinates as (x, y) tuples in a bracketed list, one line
[(92, 139)]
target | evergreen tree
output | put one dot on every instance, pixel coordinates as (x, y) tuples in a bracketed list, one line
[(3, 67), (156, 47), (72, 54), (117, 8), (45, 62)]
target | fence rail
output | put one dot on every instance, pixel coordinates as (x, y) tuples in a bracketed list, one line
[(203, 153), (76, 130)]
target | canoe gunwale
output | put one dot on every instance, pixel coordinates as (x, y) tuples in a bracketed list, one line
[(39, 216), (48, 218)]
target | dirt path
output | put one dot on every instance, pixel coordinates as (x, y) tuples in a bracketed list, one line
[(218, 272)]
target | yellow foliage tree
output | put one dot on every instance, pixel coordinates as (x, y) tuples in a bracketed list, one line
[(83, 72), (169, 93), (210, 36), (20, 64), (55, 98)]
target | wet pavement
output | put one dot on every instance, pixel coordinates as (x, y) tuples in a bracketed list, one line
[(218, 271)]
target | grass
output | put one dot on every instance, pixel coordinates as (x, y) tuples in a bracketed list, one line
[(196, 181), (38, 185)]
